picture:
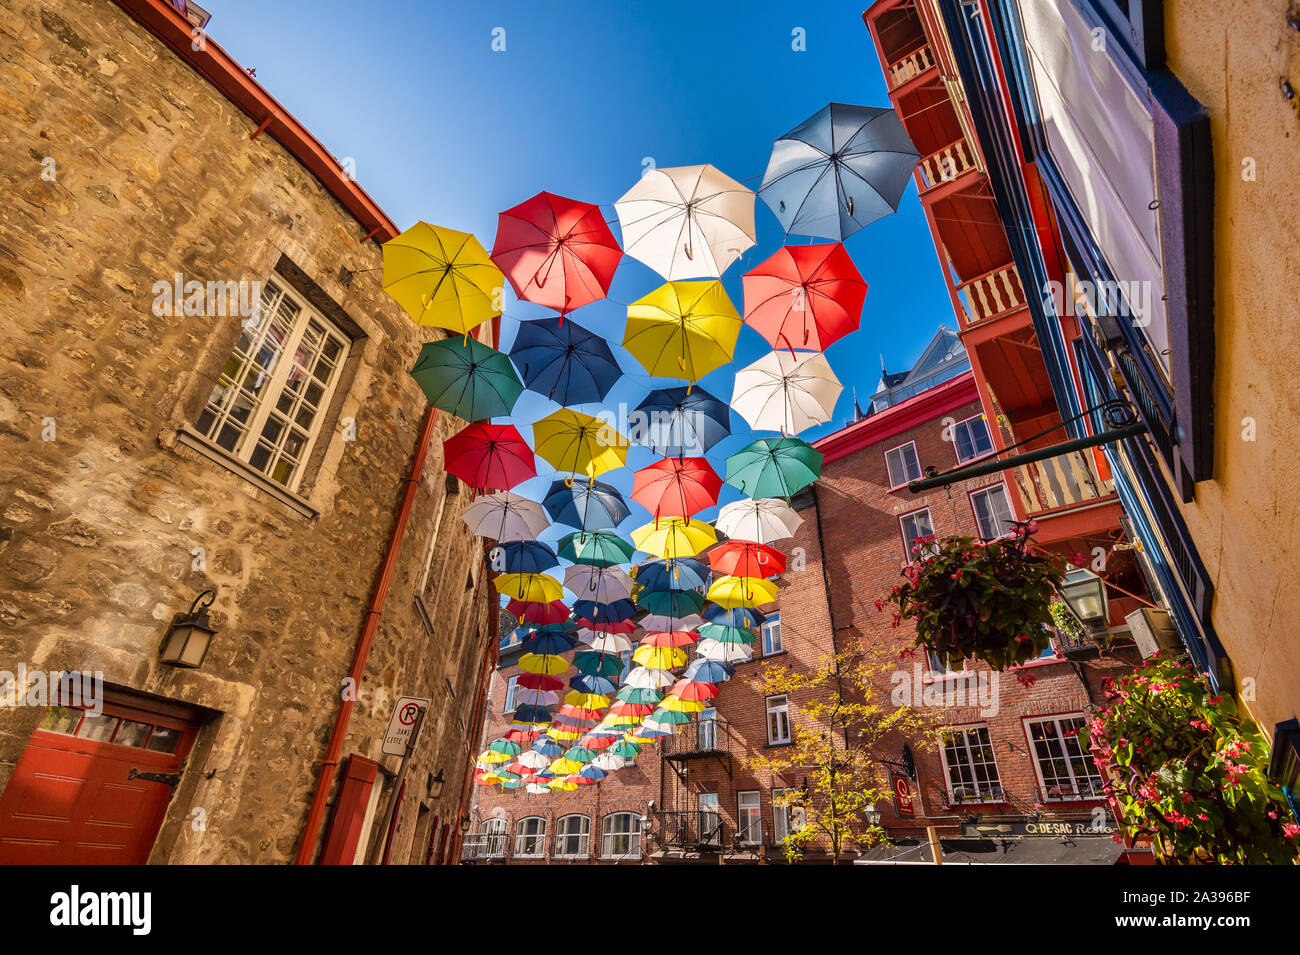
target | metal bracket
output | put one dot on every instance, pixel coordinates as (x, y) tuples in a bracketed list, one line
[(169, 779)]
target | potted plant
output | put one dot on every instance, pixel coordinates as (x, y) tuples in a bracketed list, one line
[(985, 599), (1187, 774)]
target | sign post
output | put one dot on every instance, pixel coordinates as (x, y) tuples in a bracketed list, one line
[(399, 740)]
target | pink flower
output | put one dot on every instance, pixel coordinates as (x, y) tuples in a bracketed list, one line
[(1290, 829)]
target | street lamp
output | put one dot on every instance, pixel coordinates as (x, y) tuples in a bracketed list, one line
[(464, 824), (871, 814), (1085, 594), (187, 642), (435, 784)]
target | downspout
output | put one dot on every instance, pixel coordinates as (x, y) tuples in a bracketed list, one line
[(485, 674), (830, 609), (307, 844)]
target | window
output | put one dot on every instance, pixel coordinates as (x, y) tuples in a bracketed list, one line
[(971, 439), (903, 465), (749, 818), (992, 511), (709, 818), (708, 730), (572, 837), (620, 836), (512, 690), (970, 766), (778, 719), (270, 398), (781, 827), (916, 525), (493, 832), (771, 631), (1065, 771), (943, 665), (530, 837)]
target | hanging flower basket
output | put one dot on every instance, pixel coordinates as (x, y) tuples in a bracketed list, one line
[(971, 598), (1185, 773)]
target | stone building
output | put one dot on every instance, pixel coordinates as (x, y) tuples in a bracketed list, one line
[(203, 388)]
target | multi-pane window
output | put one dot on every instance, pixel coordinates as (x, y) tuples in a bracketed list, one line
[(749, 818), (494, 838), (970, 766), (572, 837), (708, 729), (530, 837), (971, 438), (903, 464), (512, 691), (620, 836), (771, 631), (270, 398), (104, 728), (944, 664), (780, 815), (709, 818), (778, 719), (992, 511), (916, 525), (1064, 769)]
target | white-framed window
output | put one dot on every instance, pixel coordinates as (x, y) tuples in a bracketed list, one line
[(781, 815), (778, 719), (269, 401), (573, 837), (749, 818), (971, 439), (530, 837), (708, 730), (710, 819), (915, 525), (771, 633), (620, 836), (512, 690), (970, 767), (494, 837), (1065, 771), (992, 511), (945, 665), (903, 464)]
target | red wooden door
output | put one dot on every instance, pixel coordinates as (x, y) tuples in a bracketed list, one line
[(76, 795)]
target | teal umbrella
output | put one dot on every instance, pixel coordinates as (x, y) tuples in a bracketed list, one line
[(671, 603), (467, 378), (597, 548), (723, 634), (597, 663), (640, 695), (774, 467)]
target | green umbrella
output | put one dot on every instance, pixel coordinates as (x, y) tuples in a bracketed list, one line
[(597, 663), (774, 467), (626, 749), (467, 378), (597, 548), (639, 695), (716, 631), (580, 754), (672, 603), (671, 716)]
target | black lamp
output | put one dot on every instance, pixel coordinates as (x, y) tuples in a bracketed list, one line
[(435, 784), (464, 824), (187, 642), (1085, 593)]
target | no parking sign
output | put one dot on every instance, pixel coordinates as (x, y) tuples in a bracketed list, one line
[(406, 711)]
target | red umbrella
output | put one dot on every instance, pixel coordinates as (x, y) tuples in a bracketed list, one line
[(746, 559), (487, 455), (804, 296), (540, 681), (556, 252), (693, 690), (622, 708), (676, 487), (557, 611), (619, 626), (674, 638), (520, 735)]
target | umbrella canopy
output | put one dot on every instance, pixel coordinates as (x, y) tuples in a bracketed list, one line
[(532, 759), (804, 296), (597, 548), (535, 612), (659, 658), (609, 626), (442, 277), (585, 504), (734, 616), (742, 592), (668, 719), (737, 558), (650, 678), (838, 171), (540, 681), (682, 329), (678, 573), (668, 638), (664, 623), (556, 252), (467, 378), (601, 584), (536, 697), (598, 664), (530, 588), (591, 683), (485, 455), (674, 704), (677, 422), (626, 749), (772, 466), (787, 392), (549, 641), (694, 688), (522, 557), (547, 747), (609, 761), (671, 603), (675, 537), (564, 362), (722, 634), (707, 671), (687, 221), (640, 696), (611, 643), (506, 517), (578, 443), (613, 612), (760, 520), (591, 773), (543, 663), (676, 487)]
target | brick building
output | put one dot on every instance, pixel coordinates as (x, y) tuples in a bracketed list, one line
[(203, 388)]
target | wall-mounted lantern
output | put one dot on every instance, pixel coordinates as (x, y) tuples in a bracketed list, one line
[(187, 642)]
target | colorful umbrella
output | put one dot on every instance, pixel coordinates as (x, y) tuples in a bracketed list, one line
[(723, 634), (585, 504), (564, 362), (675, 537), (597, 663), (591, 683), (613, 612), (467, 378), (578, 443), (641, 696), (659, 658), (668, 638), (738, 558), (549, 641), (485, 455), (694, 688), (671, 603), (760, 520), (804, 296), (535, 612), (442, 277), (787, 392), (650, 678), (529, 588), (676, 487), (742, 592), (536, 697), (682, 329), (543, 663), (772, 466), (679, 573), (506, 517), (664, 623), (611, 643), (609, 626), (626, 750), (839, 170), (674, 704), (596, 548), (601, 584), (707, 672), (556, 252), (522, 557), (733, 617), (678, 422)]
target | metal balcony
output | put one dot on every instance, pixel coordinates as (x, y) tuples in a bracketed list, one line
[(699, 739), (690, 830), (483, 847), (1064, 481)]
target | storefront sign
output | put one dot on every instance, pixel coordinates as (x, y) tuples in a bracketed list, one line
[(904, 795)]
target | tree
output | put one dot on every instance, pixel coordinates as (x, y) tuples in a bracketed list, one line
[(841, 719)]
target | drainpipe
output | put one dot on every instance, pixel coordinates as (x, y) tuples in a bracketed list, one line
[(489, 660), (307, 845)]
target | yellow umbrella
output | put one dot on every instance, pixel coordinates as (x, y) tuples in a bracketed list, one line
[(586, 701), (674, 537), (563, 785), (576, 442), (732, 592), (626, 719), (489, 756), (564, 735), (642, 740), (660, 658), (673, 704), (531, 588), (547, 663), (563, 766), (491, 779), (682, 329), (442, 277)]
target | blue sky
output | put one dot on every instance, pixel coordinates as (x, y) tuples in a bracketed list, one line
[(444, 129)]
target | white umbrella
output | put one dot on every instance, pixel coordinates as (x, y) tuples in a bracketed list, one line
[(762, 521), (505, 516), (662, 727), (611, 643), (786, 392), (609, 761), (647, 678), (601, 584), (537, 790), (709, 649), (661, 623), (524, 694), (533, 759), (687, 221)]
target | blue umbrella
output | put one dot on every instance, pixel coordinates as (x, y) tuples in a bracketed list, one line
[(590, 683), (615, 612), (588, 505), (839, 170), (738, 617), (550, 641), (676, 573), (680, 422), (671, 603), (709, 671), (523, 557), (547, 747), (564, 361), (592, 772), (532, 714)]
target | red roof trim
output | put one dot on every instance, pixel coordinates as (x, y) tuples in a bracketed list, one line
[(903, 416), (221, 70)]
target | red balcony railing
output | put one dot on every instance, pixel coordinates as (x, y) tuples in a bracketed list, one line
[(946, 164), (991, 295), (910, 67)]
